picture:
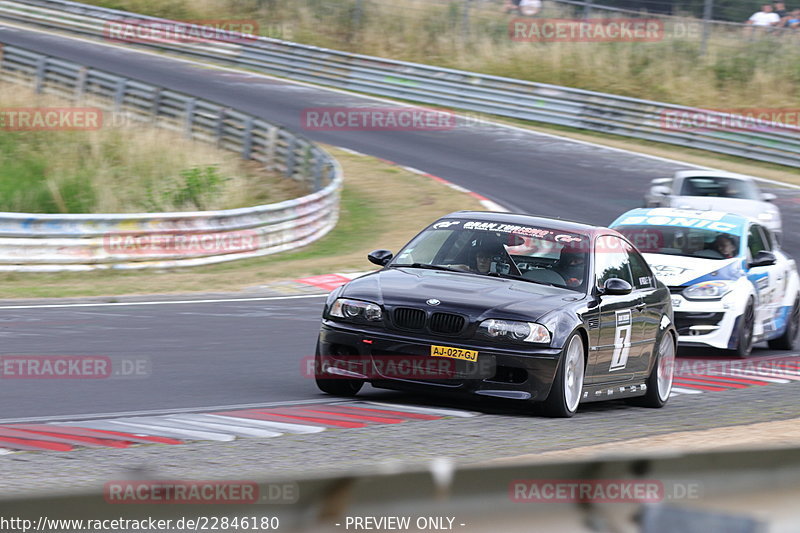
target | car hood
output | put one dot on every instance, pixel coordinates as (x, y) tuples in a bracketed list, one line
[(475, 295), (739, 206), (677, 270)]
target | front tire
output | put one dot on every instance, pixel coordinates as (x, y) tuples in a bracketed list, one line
[(745, 342), (338, 386), (565, 394), (788, 341), (659, 382)]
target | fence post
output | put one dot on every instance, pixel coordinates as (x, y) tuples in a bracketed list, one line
[(272, 146), (80, 83), (119, 95), (708, 8), (291, 157), (247, 142), (465, 20), (41, 65), (220, 126), (587, 9), (188, 119), (317, 172), (155, 105)]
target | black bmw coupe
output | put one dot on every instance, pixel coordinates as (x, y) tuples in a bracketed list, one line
[(504, 305)]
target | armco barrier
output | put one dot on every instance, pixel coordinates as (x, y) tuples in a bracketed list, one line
[(34, 242), (747, 491), (506, 97)]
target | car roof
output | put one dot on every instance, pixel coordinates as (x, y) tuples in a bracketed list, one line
[(530, 220), (668, 213)]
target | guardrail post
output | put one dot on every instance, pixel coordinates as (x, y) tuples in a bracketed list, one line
[(188, 119), (80, 83), (119, 94), (317, 172), (41, 67), (247, 143), (291, 157), (272, 146), (219, 129), (156, 104)]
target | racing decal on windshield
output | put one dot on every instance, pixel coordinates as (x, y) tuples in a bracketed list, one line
[(446, 224), (683, 222), (507, 228), (622, 340), (568, 238)]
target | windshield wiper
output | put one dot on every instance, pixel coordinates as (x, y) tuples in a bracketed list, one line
[(431, 267)]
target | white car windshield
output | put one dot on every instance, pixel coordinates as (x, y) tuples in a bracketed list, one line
[(720, 187), (690, 242)]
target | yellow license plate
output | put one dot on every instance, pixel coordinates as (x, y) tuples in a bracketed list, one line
[(454, 353)]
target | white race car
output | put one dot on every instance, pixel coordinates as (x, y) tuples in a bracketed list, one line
[(731, 284), (718, 191)]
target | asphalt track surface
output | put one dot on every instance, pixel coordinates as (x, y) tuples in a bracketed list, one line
[(198, 355)]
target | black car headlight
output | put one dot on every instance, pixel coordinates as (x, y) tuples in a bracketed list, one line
[(515, 331), (357, 310)]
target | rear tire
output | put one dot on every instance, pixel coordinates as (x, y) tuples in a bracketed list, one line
[(659, 382), (788, 341), (745, 341), (338, 386), (565, 393)]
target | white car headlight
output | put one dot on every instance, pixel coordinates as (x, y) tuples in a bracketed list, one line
[(515, 331), (708, 290), (766, 216), (356, 310)]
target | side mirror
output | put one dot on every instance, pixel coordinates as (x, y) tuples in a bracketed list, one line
[(762, 259), (660, 190), (768, 197), (380, 257), (616, 286)]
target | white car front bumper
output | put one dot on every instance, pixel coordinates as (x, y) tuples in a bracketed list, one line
[(709, 323)]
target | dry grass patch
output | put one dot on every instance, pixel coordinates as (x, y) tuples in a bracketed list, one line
[(123, 167)]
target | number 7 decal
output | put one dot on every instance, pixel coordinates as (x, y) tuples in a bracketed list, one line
[(622, 341)]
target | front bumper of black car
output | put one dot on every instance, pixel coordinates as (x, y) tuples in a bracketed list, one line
[(395, 360)]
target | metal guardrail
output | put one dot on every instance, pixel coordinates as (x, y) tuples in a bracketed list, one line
[(746, 491), (493, 95), (57, 242)]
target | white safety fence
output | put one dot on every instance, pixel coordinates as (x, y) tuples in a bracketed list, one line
[(58, 242)]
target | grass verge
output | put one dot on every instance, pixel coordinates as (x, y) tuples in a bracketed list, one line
[(383, 206), (121, 166)]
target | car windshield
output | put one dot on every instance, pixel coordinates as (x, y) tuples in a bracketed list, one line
[(531, 253), (690, 242), (714, 186)]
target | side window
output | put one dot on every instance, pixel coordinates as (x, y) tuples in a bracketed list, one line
[(611, 260), (755, 241), (768, 238), (642, 276)]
